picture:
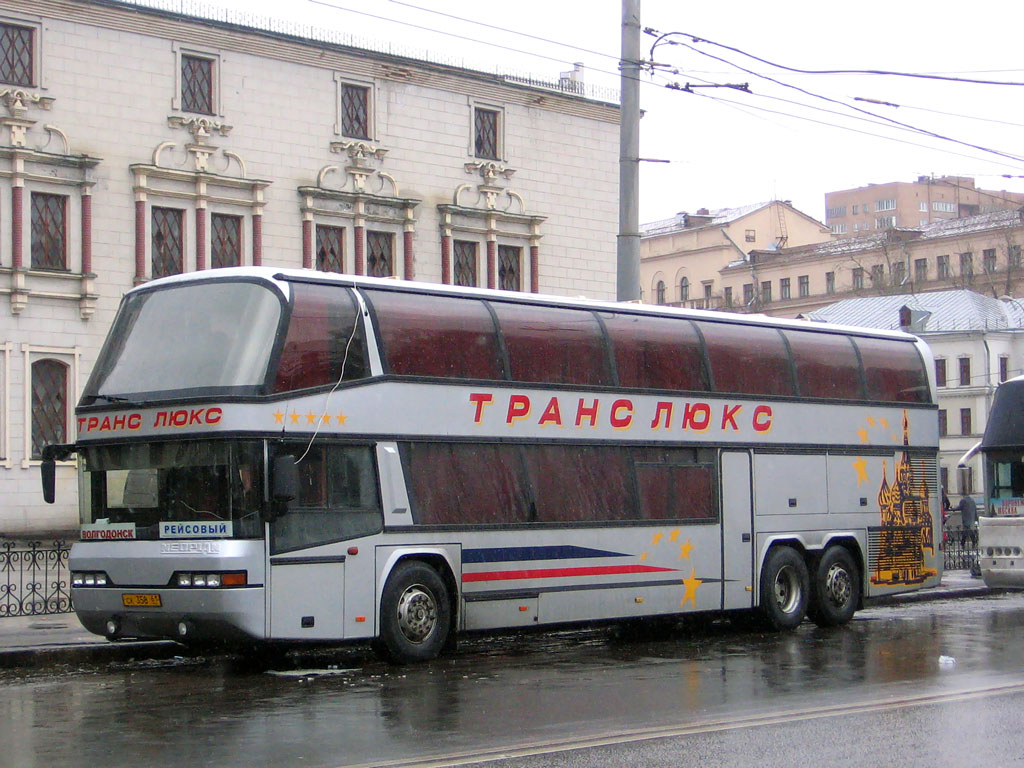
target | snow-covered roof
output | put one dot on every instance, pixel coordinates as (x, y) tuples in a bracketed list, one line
[(716, 218), (983, 222), (937, 311)]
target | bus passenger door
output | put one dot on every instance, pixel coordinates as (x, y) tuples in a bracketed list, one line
[(737, 531)]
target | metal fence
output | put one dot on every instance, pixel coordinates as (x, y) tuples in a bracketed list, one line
[(961, 549), (34, 578)]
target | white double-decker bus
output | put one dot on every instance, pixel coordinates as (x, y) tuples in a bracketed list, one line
[(293, 456)]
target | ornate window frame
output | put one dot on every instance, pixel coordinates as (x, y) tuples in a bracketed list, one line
[(501, 153), (6, 350), (359, 197), (340, 81), (216, 91), (41, 161), (69, 356), (35, 23), (200, 185)]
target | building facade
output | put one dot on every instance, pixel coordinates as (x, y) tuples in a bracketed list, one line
[(681, 257), (137, 143), (977, 342), (908, 205), (980, 253)]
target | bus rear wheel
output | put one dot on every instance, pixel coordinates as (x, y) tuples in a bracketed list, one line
[(785, 587), (415, 613), (835, 588)]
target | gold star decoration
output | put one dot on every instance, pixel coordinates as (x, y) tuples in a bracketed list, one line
[(691, 584), (311, 417), (674, 535), (279, 418), (685, 549), (295, 417), (657, 538), (342, 418)]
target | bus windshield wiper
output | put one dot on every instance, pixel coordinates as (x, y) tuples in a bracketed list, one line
[(114, 399)]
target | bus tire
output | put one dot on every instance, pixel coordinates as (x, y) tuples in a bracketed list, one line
[(415, 613), (835, 588), (785, 588)]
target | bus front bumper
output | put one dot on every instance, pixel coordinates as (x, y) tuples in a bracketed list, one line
[(185, 615)]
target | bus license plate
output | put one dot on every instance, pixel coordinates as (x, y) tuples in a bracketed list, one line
[(141, 601)]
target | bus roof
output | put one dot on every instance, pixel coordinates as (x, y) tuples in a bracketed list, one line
[(281, 277)]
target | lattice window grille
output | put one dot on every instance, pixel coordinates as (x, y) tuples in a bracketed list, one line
[(225, 241), (329, 248), (380, 254)]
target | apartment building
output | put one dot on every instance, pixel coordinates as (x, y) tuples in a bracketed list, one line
[(137, 143), (681, 257), (977, 341), (909, 205), (980, 253)]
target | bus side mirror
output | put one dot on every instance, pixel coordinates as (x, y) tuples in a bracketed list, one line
[(49, 472), (286, 483), (48, 469)]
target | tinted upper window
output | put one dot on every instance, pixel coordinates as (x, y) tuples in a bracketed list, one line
[(325, 341), (423, 335), (656, 352), (894, 371), (826, 365), (747, 359), (557, 346)]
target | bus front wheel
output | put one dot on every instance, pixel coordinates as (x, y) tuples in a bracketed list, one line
[(415, 613), (785, 585), (836, 588)]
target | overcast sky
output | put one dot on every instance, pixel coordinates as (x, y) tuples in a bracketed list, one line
[(729, 148)]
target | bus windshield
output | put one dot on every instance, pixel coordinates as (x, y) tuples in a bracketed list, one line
[(223, 335), (173, 489)]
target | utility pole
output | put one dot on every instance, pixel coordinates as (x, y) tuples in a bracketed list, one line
[(628, 283)]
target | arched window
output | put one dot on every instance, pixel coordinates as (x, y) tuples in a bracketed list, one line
[(659, 292), (49, 404), (684, 290)]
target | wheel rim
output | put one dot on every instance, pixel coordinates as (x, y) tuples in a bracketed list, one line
[(417, 613), (787, 589), (838, 585)]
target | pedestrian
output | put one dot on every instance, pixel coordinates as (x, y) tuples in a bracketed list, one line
[(969, 530)]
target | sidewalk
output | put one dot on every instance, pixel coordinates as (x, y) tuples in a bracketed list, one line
[(41, 641)]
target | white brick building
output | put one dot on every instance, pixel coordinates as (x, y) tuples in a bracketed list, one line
[(136, 142)]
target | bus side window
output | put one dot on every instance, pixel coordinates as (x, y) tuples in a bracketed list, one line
[(338, 498)]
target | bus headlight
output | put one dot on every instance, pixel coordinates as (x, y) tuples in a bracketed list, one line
[(89, 579)]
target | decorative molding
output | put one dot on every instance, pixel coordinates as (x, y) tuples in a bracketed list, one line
[(489, 170), (197, 162), (18, 100), (362, 154), (359, 150), (201, 128)]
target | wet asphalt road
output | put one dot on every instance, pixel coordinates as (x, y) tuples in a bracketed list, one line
[(939, 683)]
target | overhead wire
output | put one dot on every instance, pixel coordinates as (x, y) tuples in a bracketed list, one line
[(831, 100), (889, 73)]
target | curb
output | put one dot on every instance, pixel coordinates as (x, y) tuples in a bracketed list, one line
[(932, 595), (94, 653)]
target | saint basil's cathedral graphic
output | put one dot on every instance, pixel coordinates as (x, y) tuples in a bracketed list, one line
[(906, 529)]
